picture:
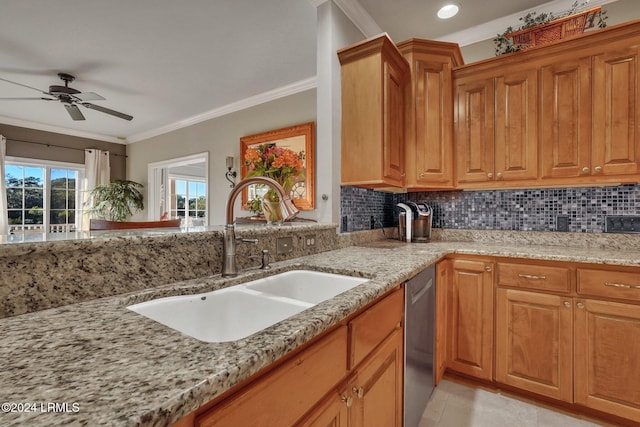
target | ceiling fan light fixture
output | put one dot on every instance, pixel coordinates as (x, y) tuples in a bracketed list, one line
[(448, 11)]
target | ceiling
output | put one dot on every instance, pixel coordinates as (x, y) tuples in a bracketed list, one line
[(172, 63)]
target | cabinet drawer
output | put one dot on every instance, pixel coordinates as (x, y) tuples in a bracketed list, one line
[(533, 276), (609, 283), (371, 327), (288, 392)]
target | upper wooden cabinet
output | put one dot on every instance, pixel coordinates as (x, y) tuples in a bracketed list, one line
[(429, 118), (496, 126), (567, 113), (590, 115), (374, 84)]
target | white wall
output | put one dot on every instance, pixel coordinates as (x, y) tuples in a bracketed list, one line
[(334, 31), (221, 138)]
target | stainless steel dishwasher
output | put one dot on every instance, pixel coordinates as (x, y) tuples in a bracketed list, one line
[(419, 344)]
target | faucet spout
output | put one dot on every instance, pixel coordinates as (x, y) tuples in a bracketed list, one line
[(229, 268)]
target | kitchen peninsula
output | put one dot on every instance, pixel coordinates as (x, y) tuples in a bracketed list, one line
[(123, 369)]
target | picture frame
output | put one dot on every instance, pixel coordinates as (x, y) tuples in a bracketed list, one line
[(299, 138)]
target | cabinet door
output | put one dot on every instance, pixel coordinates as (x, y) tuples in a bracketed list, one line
[(471, 319), (534, 335), (616, 113), (393, 123), (566, 118), (377, 389), (607, 357), (474, 137), (332, 412), (516, 137), (433, 126)]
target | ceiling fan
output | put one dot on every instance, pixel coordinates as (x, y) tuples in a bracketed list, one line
[(70, 97)]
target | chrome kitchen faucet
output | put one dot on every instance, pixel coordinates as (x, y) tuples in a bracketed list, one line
[(229, 267)]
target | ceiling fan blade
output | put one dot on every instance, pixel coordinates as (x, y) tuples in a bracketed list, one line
[(88, 96), (20, 84), (107, 111), (28, 99), (74, 112)]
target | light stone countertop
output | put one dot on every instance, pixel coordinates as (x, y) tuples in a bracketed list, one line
[(122, 369)]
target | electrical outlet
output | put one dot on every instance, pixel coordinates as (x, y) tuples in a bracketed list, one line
[(562, 223), (622, 224), (284, 245), (310, 241)]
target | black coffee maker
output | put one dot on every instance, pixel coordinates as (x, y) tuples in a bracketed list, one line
[(414, 222)]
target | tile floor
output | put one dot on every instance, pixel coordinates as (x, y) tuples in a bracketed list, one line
[(456, 405)]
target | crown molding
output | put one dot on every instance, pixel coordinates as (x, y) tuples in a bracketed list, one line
[(291, 89), (317, 3), (359, 16), (487, 30), (57, 129)]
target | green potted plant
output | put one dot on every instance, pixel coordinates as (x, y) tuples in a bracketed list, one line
[(116, 201), (540, 28)]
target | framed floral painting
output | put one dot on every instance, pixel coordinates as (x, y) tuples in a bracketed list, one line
[(286, 155)]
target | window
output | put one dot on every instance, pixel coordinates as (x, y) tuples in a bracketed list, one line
[(42, 197), (188, 198)]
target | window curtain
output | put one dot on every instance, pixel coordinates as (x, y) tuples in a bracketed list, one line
[(97, 171), (4, 215)]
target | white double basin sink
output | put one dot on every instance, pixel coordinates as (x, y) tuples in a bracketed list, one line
[(236, 312)]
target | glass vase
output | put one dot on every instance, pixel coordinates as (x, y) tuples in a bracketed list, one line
[(271, 209)]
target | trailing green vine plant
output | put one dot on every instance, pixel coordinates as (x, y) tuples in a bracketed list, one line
[(533, 19)]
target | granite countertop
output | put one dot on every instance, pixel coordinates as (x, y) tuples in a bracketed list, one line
[(105, 365)]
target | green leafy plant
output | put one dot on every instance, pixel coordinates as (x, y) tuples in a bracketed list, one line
[(117, 200), (505, 44)]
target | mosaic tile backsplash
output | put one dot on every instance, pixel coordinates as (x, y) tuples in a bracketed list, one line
[(523, 210)]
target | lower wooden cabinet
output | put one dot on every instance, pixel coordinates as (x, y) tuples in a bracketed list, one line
[(373, 397), (470, 322), (568, 331), (534, 337), (607, 357), (331, 412), (286, 393)]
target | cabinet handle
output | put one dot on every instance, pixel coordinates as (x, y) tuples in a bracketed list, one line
[(489, 175), (567, 304), (585, 170), (532, 277), (580, 305), (622, 285), (487, 268), (421, 175), (499, 175), (359, 391), (598, 169), (347, 400)]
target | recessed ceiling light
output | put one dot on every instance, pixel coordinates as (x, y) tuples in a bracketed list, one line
[(448, 11)]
